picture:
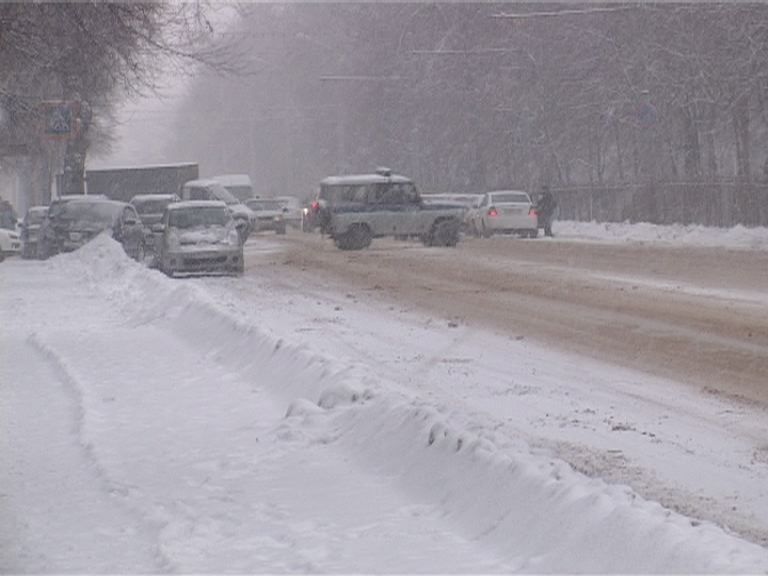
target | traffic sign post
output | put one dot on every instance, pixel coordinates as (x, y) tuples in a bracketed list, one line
[(61, 119)]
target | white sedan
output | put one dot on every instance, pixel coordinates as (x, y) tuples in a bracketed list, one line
[(504, 211)]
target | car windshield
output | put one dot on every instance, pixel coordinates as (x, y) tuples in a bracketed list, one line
[(214, 191), (511, 198), (151, 206), (198, 217), (223, 194), (102, 213), (258, 205)]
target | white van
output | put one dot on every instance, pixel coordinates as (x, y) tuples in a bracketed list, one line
[(239, 185), (210, 189)]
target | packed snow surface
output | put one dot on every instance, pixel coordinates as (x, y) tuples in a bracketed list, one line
[(153, 425)]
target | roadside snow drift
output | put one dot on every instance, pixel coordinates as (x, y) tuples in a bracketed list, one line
[(212, 439)]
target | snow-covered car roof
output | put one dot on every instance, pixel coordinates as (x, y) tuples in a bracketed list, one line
[(353, 179), (96, 200), (149, 197), (68, 197), (196, 204)]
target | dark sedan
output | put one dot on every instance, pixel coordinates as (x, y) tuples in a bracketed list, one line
[(81, 220)]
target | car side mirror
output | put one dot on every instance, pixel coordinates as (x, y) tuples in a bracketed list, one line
[(130, 222)]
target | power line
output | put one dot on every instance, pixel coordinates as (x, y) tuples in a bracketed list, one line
[(580, 12)]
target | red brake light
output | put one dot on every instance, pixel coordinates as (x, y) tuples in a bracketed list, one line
[(533, 212), (492, 211), (315, 206)]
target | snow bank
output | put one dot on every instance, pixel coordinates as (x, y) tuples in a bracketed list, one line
[(538, 512), (677, 234)]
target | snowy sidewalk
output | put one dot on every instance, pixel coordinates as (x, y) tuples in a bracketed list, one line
[(128, 450)]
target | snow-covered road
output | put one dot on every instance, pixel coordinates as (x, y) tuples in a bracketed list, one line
[(258, 425)]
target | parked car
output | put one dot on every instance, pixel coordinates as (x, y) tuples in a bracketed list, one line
[(30, 230), (200, 237), (504, 211), (270, 214), (151, 208), (10, 243), (80, 220), (215, 191), (293, 209), (47, 237)]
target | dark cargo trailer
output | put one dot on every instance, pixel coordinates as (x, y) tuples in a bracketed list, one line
[(125, 183)]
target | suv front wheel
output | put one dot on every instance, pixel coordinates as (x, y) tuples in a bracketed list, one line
[(357, 237), (443, 233)]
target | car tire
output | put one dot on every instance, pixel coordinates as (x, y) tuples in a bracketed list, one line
[(357, 237), (444, 233), (533, 233)]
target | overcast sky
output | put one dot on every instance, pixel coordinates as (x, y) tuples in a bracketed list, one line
[(144, 123)]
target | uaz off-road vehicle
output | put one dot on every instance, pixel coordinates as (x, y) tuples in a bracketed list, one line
[(355, 209)]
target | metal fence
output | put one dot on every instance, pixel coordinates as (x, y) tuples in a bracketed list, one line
[(708, 203)]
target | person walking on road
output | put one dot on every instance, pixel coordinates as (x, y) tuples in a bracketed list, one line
[(546, 208)]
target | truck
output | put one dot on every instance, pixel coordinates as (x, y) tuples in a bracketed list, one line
[(124, 183), (353, 210)]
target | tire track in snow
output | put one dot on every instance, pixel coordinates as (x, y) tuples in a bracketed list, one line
[(111, 487)]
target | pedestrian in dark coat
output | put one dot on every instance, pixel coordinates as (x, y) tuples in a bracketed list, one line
[(546, 208)]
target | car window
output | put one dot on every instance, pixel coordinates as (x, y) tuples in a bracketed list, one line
[(151, 206), (197, 193), (89, 212), (511, 197), (219, 192)]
